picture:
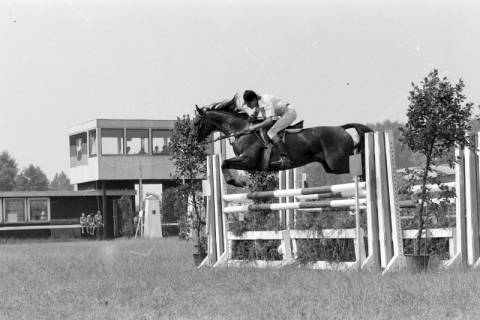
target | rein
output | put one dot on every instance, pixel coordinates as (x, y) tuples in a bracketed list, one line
[(222, 136)]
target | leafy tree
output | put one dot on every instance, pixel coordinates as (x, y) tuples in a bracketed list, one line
[(8, 172), (127, 227), (60, 182), (32, 179), (189, 157), (438, 119)]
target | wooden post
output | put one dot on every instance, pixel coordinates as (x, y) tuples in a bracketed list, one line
[(282, 185), (461, 253), (397, 261), (218, 204), (384, 226), (356, 170), (106, 224), (372, 262), (471, 197), (211, 231)]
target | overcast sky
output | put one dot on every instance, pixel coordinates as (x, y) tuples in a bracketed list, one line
[(66, 62)]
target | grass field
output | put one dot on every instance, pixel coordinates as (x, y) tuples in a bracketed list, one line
[(140, 279)]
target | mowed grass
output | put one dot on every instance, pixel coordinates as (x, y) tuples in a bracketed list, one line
[(140, 279)]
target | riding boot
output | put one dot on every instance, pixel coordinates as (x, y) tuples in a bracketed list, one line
[(284, 161)]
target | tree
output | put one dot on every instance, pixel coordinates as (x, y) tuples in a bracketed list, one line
[(60, 182), (32, 179), (438, 120), (189, 157), (8, 172)]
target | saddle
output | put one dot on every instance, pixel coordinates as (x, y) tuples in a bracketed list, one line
[(295, 128)]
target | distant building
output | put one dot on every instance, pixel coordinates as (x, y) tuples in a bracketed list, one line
[(120, 152), (115, 154), (53, 213), (108, 157)]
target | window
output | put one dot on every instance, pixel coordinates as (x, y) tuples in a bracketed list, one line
[(112, 141), (1, 211), (160, 140), (39, 210), (78, 146), (14, 210), (137, 141), (92, 144)]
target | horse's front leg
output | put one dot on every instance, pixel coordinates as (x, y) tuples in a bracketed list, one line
[(238, 163)]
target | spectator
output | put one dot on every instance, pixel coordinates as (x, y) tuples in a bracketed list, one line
[(83, 225), (90, 224), (98, 220)]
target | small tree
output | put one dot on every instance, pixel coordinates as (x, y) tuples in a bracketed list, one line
[(175, 203), (32, 178), (61, 182), (127, 227), (8, 171), (189, 157), (438, 120)]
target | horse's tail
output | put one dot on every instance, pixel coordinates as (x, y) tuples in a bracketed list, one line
[(360, 147), (361, 130)]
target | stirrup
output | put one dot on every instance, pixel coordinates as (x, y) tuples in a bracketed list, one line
[(284, 162)]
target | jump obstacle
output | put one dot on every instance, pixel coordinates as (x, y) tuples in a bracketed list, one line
[(378, 195)]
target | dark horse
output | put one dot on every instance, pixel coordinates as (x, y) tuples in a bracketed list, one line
[(331, 146)]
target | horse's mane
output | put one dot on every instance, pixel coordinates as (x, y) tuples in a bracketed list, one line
[(229, 106)]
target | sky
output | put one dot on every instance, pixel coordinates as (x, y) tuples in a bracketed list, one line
[(63, 62)]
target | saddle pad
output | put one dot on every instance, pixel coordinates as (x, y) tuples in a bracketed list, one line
[(354, 134), (293, 130)]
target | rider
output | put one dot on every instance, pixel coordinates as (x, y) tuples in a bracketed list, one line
[(271, 108)]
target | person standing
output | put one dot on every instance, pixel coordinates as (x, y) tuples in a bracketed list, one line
[(90, 224), (98, 221)]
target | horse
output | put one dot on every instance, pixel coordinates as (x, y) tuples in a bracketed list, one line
[(329, 145)]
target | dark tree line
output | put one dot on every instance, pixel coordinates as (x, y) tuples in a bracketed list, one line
[(31, 178)]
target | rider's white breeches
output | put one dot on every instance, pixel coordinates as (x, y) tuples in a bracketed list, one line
[(284, 121)]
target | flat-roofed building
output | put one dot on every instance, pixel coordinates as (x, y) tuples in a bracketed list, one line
[(115, 154), (119, 152), (57, 213)]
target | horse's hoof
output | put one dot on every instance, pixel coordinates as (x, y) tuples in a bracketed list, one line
[(235, 183)]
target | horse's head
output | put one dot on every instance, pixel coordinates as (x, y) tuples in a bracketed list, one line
[(222, 116), (202, 126)]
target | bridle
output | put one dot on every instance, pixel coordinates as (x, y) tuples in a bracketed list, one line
[(206, 121)]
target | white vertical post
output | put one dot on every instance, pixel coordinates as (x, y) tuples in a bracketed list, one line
[(398, 260), (282, 185), (460, 257), (290, 184), (359, 237), (372, 262), (471, 197), (218, 206), (382, 200)]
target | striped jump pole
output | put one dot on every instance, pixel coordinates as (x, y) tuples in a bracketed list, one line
[(339, 188), (343, 203)]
